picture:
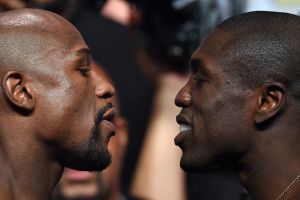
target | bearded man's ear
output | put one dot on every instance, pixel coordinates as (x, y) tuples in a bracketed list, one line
[(17, 90)]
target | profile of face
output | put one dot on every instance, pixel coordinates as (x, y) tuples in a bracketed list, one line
[(91, 185), (71, 100), (215, 120)]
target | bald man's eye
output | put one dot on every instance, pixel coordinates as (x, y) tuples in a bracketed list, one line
[(85, 70)]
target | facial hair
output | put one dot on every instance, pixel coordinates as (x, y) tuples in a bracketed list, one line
[(97, 156)]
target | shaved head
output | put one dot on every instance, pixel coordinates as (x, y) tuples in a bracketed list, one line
[(25, 36), (55, 111), (263, 50)]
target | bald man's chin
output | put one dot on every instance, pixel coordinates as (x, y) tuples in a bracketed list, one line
[(97, 160)]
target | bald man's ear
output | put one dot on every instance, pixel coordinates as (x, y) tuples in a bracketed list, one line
[(17, 90), (271, 101)]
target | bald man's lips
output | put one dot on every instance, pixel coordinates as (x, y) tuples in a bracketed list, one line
[(107, 120), (109, 125)]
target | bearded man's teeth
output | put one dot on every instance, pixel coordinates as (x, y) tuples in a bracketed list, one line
[(185, 127)]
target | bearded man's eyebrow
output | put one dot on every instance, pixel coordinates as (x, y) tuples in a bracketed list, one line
[(85, 51), (84, 54), (198, 66)]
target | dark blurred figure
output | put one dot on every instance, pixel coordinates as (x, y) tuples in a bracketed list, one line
[(171, 30), (6, 5), (62, 7)]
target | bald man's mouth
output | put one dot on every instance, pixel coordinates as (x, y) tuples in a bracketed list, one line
[(108, 120), (103, 123)]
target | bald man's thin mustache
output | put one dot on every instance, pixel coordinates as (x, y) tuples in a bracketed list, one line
[(99, 118), (102, 111)]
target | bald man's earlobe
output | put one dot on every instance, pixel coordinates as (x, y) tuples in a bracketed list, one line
[(17, 90), (271, 101)]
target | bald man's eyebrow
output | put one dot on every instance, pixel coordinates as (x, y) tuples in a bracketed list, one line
[(84, 54), (198, 66), (85, 51)]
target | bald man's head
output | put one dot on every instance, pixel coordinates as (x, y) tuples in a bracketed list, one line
[(27, 34), (46, 75)]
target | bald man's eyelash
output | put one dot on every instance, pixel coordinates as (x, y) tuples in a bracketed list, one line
[(84, 70)]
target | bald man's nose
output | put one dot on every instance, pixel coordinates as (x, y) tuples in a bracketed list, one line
[(104, 89), (183, 98)]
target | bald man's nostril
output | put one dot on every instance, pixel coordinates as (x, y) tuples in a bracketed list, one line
[(111, 91), (105, 90)]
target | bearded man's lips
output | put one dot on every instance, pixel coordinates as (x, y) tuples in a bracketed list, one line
[(107, 121)]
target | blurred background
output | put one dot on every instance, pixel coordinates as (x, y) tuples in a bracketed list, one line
[(143, 48)]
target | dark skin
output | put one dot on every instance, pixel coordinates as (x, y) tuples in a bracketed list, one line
[(226, 124), (50, 99), (109, 184)]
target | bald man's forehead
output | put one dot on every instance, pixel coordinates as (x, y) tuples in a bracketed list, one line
[(28, 47), (30, 42), (40, 21)]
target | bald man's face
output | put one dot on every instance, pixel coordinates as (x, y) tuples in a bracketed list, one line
[(215, 118), (91, 185), (72, 102)]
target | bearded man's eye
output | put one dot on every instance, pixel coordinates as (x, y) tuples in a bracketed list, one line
[(84, 70)]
